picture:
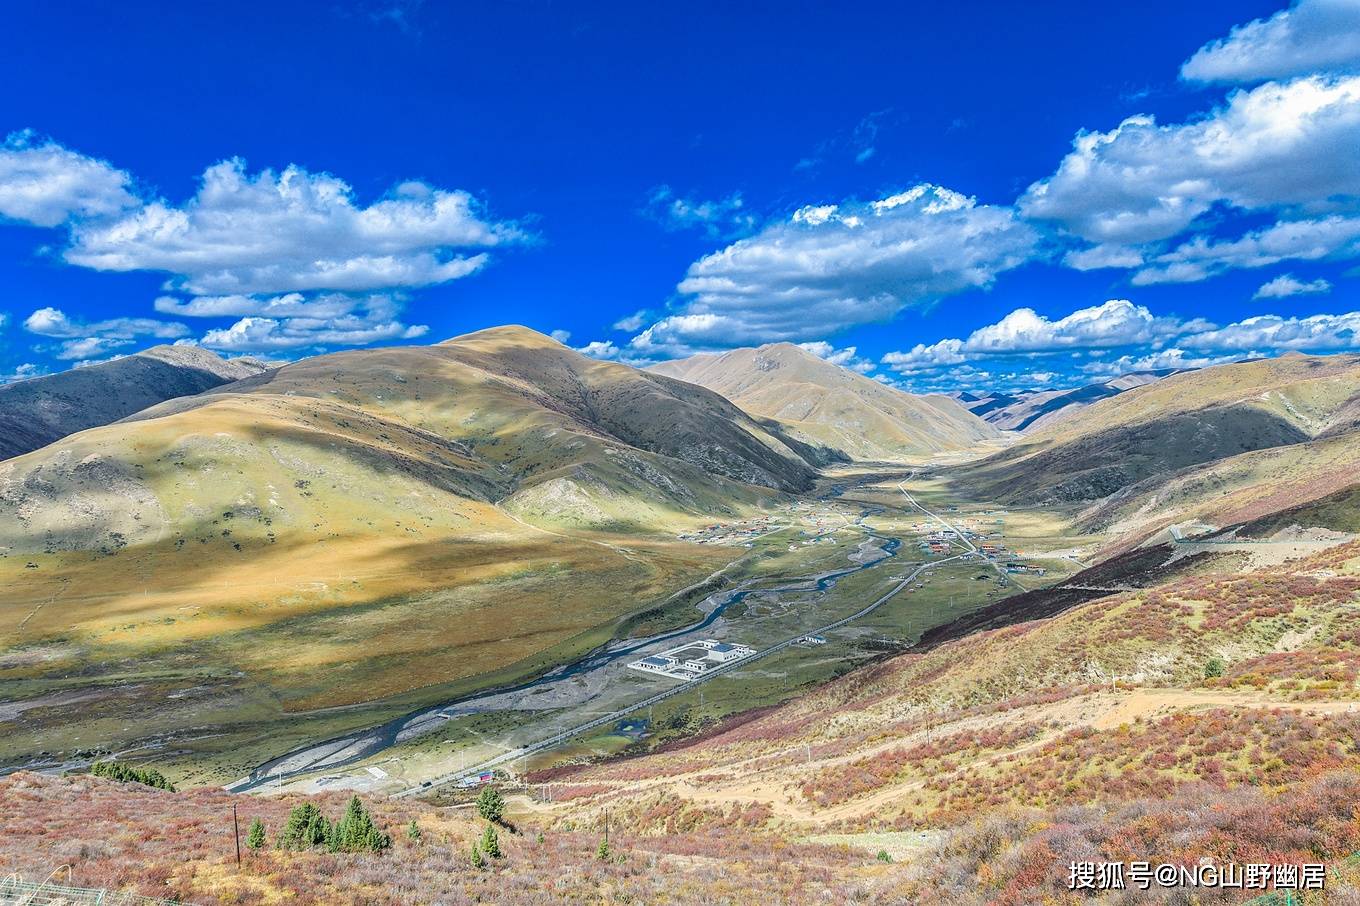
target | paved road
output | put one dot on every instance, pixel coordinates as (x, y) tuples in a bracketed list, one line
[(556, 739)]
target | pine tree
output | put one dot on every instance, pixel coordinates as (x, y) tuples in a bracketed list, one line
[(491, 843), (413, 831), (490, 805), (477, 860), (318, 831), (255, 838), (604, 852), (297, 831), (356, 832)]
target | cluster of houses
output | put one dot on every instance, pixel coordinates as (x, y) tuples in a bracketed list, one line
[(939, 541), (730, 533), (692, 660)]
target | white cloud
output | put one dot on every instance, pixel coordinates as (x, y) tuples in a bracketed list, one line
[(295, 230), (1102, 256), (601, 349), (846, 358), (717, 218), (289, 305), (1318, 333), (1288, 147), (85, 349), (561, 336), (1311, 36), (632, 322), (1112, 324), (295, 321), (52, 322), (830, 267), (1159, 360), (1335, 237), (22, 373), (255, 334), (1288, 285), (46, 185)]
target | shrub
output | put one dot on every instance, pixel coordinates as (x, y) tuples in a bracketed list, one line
[(413, 831), (1213, 668), (476, 857), (603, 853), (884, 856)]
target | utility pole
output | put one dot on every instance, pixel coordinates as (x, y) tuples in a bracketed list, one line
[(606, 827), (236, 833)]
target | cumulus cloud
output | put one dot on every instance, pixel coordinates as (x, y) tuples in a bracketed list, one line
[(292, 255), (829, 267), (721, 218), (1279, 146), (1160, 360), (1112, 324), (1111, 339), (1288, 285), (44, 184), (83, 340), (601, 349), (53, 322), (1335, 237), (22, 373), (1311, 36), (294, 230), (295, 321), (846, 358), (254, 334), (561, 336), (1318, 333)]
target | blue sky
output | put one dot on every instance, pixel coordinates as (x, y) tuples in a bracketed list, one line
[(939, 195)]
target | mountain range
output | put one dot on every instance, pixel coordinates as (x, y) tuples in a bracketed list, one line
[(328, 544), (832, 406), (1034, 409), (41, 410)]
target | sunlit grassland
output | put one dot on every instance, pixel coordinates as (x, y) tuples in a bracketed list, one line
[(254, 669)]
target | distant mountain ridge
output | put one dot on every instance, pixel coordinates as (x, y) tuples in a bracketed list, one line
[(1034, 409), (832, 406), (42, 410), (1215, 443)]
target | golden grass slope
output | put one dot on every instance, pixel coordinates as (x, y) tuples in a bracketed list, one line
[(832, 405), (362, 525)]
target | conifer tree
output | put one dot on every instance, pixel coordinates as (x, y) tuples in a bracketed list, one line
[(491, 843), (490, 805), (255, 838), (413, 831), (356, 832), (297, 831), (604, 852), (477, 860)]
